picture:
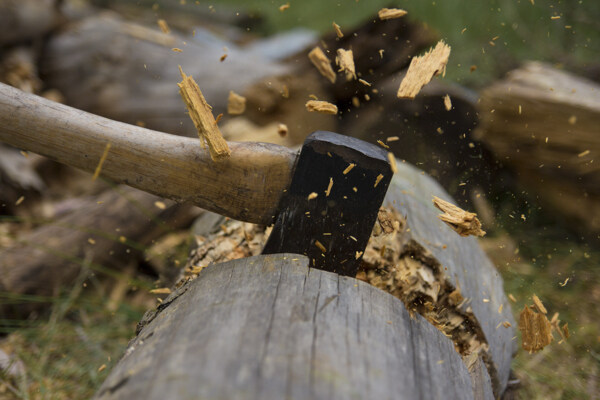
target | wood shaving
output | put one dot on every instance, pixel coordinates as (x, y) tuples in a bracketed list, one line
[(321, 106), (338, 30), (422, 69), (102, 159), (328, 191), (345, 60), (201, 114), (391, 13), (322, 63), (538, 305), (236, 104), (462, 222), (535, 330), (349, 168), (392, 160), (162, 24), (161, 291), (447, 103)]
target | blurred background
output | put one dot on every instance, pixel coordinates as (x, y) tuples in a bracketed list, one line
[(519, 146)]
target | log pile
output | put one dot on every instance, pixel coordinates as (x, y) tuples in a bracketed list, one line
[(544, 123)]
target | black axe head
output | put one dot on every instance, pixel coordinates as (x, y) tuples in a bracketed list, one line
[(329, 210)]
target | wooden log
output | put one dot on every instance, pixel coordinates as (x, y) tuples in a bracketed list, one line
[(543, 122), (129, 73), (112, 228), (23, 20), (268, 327)]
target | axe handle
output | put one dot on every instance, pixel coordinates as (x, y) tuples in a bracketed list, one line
[(246, 186)]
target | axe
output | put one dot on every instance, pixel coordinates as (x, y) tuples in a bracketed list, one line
[(323, 201)]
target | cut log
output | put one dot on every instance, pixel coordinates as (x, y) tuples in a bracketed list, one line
[(544, 123), (268, 327), (113, 228), (247, 328)]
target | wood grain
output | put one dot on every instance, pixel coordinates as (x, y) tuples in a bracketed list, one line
[(268, 327), (246, 186)]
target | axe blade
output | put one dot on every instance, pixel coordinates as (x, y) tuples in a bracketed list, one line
[(333, 228)]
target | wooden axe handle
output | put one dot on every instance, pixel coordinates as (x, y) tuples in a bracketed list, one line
[(247, 186)]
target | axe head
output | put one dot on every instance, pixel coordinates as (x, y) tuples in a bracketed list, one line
[(332, 203)]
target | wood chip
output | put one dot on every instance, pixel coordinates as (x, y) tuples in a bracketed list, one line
[(177, 50), (385, 146), (102, 368), (102, 159), (422, 69), (345, 60), (538, 305), (223, 57), (364, 82), (391, 13), (321, 106), (392, 139), (447, 103), (462, 222), (583, 153), (536, 330), (160, 205), (284, 7), (338, 30), (392, 160), (282, 130), (162, 24), (320, 60), (201, 114), (312, 196), (236, 104), (164, 290), (328, 191), (378, 179), (349, 168), (19, 200)]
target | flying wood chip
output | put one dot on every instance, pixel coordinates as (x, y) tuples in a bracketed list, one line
[(345, 60), (321, 106), (236, 104), (422, 69), (320, 60), (536, 330), (463, 222), (390, 13), (201, 114)]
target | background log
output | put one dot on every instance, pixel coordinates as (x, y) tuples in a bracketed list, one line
[(269, 327), (544, 123), (111, 228)]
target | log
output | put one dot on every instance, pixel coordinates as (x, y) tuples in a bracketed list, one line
[(242, 328), (112, 228), (268, 327), (543, 122), (129, 73)]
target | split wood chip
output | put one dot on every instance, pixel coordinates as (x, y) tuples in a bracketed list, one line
[(422, 69), (345, 60), (282, 130), (338, 30), (102, 159), (201, 114), (462, 222), (390, 13), (320, 60), (236, 104), (447, 103), (321, 106), (535, 330)]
